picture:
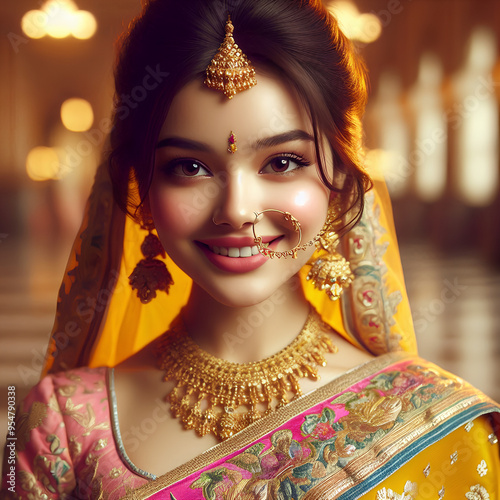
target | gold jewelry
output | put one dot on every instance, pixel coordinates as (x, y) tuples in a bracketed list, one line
[(230, 71), (209, 390), (231, 142), (264, 250), (330, 272), (150, 274)]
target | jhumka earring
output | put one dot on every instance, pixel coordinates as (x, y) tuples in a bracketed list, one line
[(150, 274), (230, 71), (330, 272)]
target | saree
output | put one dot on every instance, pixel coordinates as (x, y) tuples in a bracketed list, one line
[(396, 427)]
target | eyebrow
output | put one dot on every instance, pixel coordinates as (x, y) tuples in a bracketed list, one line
[(266, 142), (179, 142), (276, 140)]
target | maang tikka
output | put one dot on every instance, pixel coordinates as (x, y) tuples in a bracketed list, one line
[(150, 274), (330, 272), (230, 71)]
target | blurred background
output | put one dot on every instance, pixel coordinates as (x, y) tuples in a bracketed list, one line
[(432, 124)]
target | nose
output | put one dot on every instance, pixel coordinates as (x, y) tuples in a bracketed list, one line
[(237, 202)]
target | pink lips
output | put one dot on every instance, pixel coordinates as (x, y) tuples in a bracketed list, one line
[(235, 264)]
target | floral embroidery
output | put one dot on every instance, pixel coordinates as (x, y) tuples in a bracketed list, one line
[(441, 493), (454, 458), (102, 443), (87, 420), (67, 391), (292, 461), (410, 492), (477, 492), (469, 426), (482, 468), (427, 470), (26, 422), (75, 446), (375, 306), (492, 438), (115, 472)]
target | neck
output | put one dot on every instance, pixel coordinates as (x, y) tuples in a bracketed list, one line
[(245, 334)]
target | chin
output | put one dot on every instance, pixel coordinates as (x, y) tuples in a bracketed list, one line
[(241, 295)]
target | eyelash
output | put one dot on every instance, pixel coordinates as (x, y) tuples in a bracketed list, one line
[(300, 160), (297, 158)]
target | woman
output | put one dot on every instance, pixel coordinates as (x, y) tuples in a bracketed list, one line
[(246, 163)]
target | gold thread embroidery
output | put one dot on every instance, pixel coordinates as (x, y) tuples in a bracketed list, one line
[(101, 443), (477, 492), (441, 493), (410, 493), (482, 468), (115, 472), (427, 470), (453, 458), (74, 446), (26, 422)]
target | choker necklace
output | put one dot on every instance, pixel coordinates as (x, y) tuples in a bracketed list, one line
[(215, 396)]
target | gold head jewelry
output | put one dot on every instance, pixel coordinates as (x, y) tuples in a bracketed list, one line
[(215, 396), (230, 71), (231, 143)]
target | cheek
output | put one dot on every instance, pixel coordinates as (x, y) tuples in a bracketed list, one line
[(174, 213), (309, 204)]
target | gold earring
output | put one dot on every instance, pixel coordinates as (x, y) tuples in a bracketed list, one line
[(330, 272), (150, 274)]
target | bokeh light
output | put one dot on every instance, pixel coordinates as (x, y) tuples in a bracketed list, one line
[(42, 163), (77, 114), (59, 19), (365, 28)]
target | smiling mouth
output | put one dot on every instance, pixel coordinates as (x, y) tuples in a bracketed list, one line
[(237, 252)]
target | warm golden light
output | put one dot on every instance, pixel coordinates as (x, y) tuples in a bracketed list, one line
[(365, 28), (59, 19), (84, 25), (42, 164), (33, 23), (77, 114)]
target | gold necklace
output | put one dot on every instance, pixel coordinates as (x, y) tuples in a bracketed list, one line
[(209, 390)]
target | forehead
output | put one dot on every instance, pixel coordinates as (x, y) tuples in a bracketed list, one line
[(207, 115)]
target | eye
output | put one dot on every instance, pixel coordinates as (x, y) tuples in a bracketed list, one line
[(285, 163), (186, 167)]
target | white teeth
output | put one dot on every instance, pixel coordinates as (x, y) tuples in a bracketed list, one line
[(235, 251), (246, 252)]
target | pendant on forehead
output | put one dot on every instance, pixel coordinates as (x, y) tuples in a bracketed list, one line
[(230, 71), (231, 142)]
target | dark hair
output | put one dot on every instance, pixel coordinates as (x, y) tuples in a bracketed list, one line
[(172, 42)]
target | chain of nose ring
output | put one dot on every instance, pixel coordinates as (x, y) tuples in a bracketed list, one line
[(263, 247)]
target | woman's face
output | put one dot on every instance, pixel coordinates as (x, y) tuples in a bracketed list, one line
[(203, 198)]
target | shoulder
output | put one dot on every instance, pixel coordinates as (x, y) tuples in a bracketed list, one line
[(66, 384)]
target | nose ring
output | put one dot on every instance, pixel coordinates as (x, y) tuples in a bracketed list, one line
[(264, 250)]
